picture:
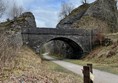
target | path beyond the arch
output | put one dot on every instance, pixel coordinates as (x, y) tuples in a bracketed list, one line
[(100, 76)]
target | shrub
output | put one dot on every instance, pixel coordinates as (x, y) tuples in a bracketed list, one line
[(10, 43)]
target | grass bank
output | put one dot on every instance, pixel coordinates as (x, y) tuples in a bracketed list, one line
[(111, 68), (30, 69), (102, 58)]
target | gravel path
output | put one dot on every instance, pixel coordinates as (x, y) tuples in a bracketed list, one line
[(100, 76)]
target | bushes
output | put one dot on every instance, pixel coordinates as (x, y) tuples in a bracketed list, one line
[(10, 43)]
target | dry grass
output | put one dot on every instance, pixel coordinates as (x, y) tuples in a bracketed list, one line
[(29, 69), (10, 44), (103, 58)]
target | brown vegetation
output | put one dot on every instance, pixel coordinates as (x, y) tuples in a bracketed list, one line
[(29, 69), (10, 43)]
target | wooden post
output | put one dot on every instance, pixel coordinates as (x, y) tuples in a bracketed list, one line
[(91, 70), (91, 67), (86, 72)]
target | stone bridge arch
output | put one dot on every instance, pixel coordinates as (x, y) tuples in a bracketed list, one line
[(78, 50), (79, 39)]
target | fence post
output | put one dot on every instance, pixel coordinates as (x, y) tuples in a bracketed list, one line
[(86, 72), (91, 67), (91, 70)]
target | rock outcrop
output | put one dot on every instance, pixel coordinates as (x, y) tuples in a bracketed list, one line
[(101, 14), (11, 38), (26, 20), (29, 19), (73, 17)]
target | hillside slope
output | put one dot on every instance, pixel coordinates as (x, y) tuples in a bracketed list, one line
[(103, 57), (101, 14), (29, 69)]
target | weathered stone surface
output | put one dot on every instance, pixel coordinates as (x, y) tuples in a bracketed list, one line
[(74, 16), (78, 39), (10, 34), (102, 14), (26, 20), (29, 20)]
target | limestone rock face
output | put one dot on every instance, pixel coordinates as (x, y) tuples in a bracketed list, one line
[(10, 32), (74, 16), (26, 20), (101, 14), (29, 19)]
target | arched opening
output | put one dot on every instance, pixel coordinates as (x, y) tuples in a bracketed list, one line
[(77, 50)]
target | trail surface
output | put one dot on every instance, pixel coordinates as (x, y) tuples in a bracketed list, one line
[(100, 76)]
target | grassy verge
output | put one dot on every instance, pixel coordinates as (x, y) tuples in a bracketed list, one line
[(104, 58), (104, 64), (62, 75), (108, 65)]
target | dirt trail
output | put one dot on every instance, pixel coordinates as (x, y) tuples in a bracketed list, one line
[(100, 76)]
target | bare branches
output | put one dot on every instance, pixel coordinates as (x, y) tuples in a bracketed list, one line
[(2, 8), (84, 1), (66, 9), (15, 11)]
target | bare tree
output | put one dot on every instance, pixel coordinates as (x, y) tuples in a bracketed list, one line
[(2, 8), (84, 1), (15, 11), (66, 9)]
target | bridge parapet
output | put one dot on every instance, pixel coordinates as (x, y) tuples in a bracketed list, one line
[(56, 31)]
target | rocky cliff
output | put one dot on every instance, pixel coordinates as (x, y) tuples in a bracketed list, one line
[(101, 14), (11, 38), (75, 15), (26, 20)]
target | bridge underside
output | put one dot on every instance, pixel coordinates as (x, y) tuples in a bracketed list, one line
[(77, 51)]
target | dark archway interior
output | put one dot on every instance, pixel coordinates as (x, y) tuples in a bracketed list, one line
[(77, 50)]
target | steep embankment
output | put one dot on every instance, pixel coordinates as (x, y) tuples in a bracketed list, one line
[(107, 56), (103, 57), (11, 38), (101, 14), (74, 16), (28, 68)]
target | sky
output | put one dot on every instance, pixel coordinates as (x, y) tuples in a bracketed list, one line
[(46, 12)]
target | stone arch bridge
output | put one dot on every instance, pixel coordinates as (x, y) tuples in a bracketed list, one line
[(79, 39)]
